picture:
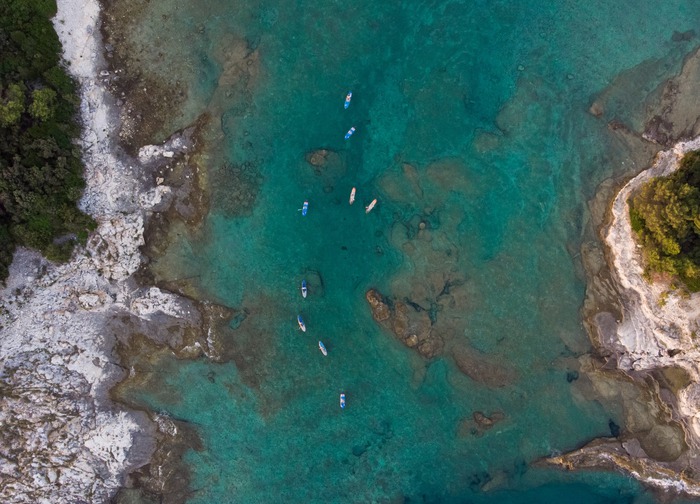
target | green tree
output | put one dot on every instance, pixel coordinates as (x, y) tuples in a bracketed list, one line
[(665, 214), (43, 103), (12, 106)]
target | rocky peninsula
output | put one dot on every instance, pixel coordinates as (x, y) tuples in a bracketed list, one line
[(644, 329)]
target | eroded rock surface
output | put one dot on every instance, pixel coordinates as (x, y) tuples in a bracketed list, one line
[(55, 432), (653, 342)]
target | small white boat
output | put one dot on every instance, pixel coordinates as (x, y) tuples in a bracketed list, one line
[(322, 347), (300, 320), (369, 207), (342, 400), (352, 196), (303, 288), (347, 99), (350, 132)]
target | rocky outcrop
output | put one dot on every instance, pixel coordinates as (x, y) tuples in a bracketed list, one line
[(627, 456), (409, 324), (63, 439), (660, 321), (380, 307)]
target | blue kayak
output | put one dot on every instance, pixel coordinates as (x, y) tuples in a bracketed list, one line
[(300, 320), (305, 208), (342, 400), (347, 99), (350, 132), (303, 288), (322, 347)]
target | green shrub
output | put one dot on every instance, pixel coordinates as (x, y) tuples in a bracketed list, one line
[(43, 104), (12, 105), (636, 221)]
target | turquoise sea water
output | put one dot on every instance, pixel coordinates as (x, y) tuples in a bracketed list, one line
[(471, 118)]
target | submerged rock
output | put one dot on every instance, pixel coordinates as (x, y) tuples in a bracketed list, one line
[(479, 423), (488, 422), (683, 36), (412, 176), (318, 158), (235, 187), (430, 293), (380, 309), (614, 428), (479, 368), (409, 323), (664, 443)]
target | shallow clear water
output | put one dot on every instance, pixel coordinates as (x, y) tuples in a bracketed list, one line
[(471, 118)]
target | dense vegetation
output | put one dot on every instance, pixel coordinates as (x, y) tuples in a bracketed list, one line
[(40, 167), (665, 213)]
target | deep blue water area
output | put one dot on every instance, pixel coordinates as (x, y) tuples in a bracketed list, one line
[(473, 133)]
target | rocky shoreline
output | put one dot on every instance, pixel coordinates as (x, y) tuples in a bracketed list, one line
[(64, 439)]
